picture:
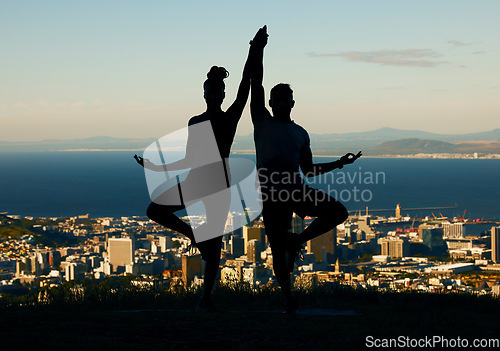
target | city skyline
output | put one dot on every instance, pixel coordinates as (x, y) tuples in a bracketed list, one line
[(125, 69)]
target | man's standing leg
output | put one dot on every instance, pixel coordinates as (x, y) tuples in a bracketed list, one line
[(276, 220)]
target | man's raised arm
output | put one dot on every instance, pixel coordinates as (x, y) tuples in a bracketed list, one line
[(256, 55)]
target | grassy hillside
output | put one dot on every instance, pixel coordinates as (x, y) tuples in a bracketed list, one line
[(19, 227), (14, 231), (119, 317)]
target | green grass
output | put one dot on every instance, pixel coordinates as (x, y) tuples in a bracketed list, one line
[(14, 231), (18, 227), (115, 315)]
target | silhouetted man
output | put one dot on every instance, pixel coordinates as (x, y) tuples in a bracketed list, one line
[(282, 147)]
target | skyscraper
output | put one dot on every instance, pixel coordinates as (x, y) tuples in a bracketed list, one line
[(423, 226), (349, 232), (250, 233), (453, 230), (253, 251), (315, 246), (495, 244), (298, 224), (394, 247), (191, 266), (323, 245), (237, 246), (121, 252), (75, 270), (432, 238)]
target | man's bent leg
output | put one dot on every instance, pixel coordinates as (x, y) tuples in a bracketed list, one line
[(329, 213)]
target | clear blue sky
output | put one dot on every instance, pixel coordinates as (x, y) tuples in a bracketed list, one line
[(135, 68)]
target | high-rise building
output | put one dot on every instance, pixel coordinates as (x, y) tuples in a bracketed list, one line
[(191, 266), (350, 234), (229, 223), (432, 238), (237, 246), (23, 266), (233, 224), (298, 224), (250, 233), (121, 252), (394, 247), (495, 244), (42, 258), (424, 226), (226, 243), (28, 265), (330, 241), (75, 270), (453, 230), (253, 251), (323, 245), (54, 259), (164, 243), (315, 246)]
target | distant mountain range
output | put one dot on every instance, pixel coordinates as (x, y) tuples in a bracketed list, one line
[(94, 143), (415, 146), (384, 141), (390, 141)]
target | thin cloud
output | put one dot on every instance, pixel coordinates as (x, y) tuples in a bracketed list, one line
[(391, 88), (20, 104), (408, 57), (76, 104), (461, 43), (44, 104)]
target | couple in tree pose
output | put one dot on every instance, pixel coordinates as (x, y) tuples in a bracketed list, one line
[(282, 148)]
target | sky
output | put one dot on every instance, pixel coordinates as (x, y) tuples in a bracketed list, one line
[(135, 69)]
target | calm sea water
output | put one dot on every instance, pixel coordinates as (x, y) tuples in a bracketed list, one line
[(112, 184)]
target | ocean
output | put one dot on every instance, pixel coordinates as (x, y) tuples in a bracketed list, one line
[(58, 184)]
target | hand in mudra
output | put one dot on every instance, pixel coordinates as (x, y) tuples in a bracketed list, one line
[(349, 158), (144, 162)]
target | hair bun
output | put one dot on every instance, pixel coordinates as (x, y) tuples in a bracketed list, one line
[(217, 73)]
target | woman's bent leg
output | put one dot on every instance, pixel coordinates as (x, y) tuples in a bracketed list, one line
[(164, 215)]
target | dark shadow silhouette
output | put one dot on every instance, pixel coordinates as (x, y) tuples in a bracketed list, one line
[(282, 148), (202, 175)]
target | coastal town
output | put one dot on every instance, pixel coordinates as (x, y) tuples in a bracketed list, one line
[(398, 252)]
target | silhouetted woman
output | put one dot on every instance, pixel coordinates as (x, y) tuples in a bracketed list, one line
[(224, 128)]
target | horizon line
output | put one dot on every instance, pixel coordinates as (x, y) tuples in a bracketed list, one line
[(249, 134)]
